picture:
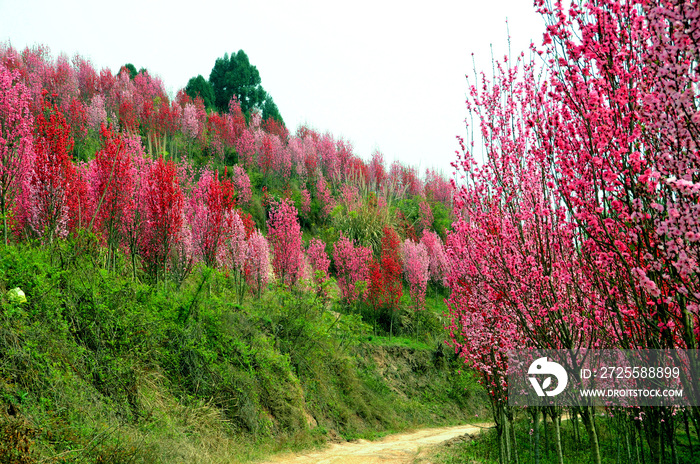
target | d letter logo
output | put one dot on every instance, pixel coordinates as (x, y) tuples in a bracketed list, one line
[(550, 368)]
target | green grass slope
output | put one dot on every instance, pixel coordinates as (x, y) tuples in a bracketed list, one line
[(96, 367)]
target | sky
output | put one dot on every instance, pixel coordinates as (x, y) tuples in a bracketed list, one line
[(387, 76)]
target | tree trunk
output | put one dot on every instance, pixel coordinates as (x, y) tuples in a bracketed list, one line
[(4, 219), (587, 413), (627, 439), (535, 412), (506, 434), (672, 438), (641, 442), (556, 418), (687, 433)]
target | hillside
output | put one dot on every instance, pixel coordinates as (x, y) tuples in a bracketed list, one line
[(99, 368), (183, 285)]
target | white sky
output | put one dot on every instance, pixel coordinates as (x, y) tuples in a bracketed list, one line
[(384, 75)]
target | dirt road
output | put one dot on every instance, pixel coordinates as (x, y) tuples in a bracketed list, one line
[(395, 449)]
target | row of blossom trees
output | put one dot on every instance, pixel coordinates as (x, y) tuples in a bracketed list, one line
[(164, 214), (581, 227), (140, 106)]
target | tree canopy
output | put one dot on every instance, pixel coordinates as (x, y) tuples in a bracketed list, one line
[(200, 87), (234, 75)]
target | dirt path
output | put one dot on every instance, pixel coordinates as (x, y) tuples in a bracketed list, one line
[(400, 448)]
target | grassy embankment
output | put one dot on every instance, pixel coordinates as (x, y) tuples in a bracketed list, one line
[(96, 367)]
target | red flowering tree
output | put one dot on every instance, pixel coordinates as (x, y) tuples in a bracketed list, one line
[(52, 175), (235, 122), (210, 204), (111, 182), (164, 218), (79, 201), (386, 286)]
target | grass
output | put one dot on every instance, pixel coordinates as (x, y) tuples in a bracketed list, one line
[(483, 449), (96, 367), (400, 341)]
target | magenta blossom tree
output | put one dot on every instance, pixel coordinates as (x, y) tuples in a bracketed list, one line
[(16, 141), (284, 234), (352, 264), (319, 261), (258, 262), (416, 268), (436, 255)]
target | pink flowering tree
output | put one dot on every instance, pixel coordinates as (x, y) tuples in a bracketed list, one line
[(190, 124), (16, 141), (305, 202), (284, 234), (438, 188), (245, 147), (258, 262), (518, 277), (241, 183), (325, 197), (425, 216), (319, 262), (235, 251), (416, 268), (437, 267), (96, 113), (352, 264), (135, 227)]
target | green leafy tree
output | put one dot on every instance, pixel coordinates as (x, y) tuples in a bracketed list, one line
[(199, 86), (234, 75), (270, 110), (132, 70)]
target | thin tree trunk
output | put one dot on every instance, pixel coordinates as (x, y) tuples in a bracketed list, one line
[(4, 219), (588, 420), (4, 228), (557, 431), (687, 433), (499, 417), (627, 439), (515, 440), (546, 433), (641, 442), (536, 433), (672, 438), (506, 429)]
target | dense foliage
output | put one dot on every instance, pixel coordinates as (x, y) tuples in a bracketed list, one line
[(193, 274), (165, 182), (580, 228)]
